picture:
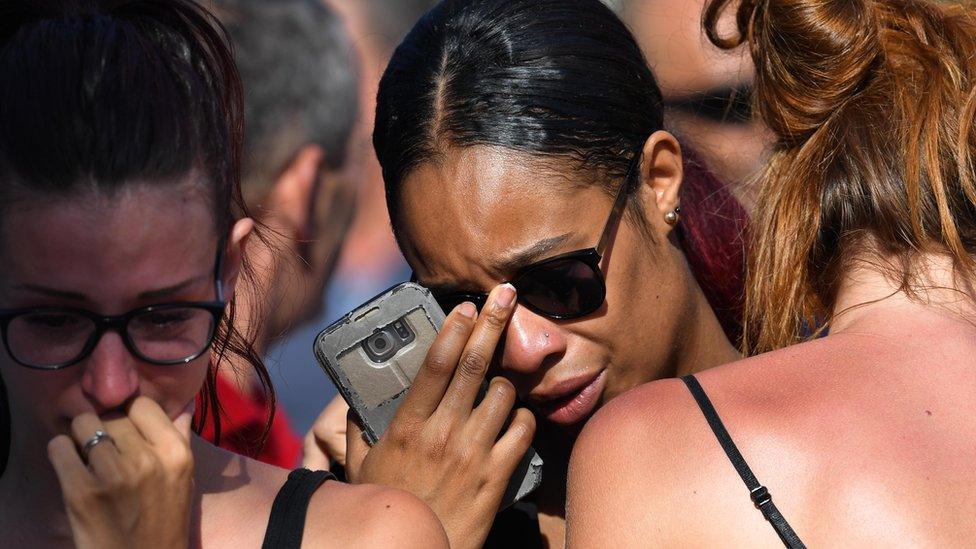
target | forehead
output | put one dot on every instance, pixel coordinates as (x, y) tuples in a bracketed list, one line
[(467, 214), (92, 243)]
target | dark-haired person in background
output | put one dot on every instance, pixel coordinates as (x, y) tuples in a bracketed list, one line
[(123, 239), (866, 221), (299, 174), (511, 133)]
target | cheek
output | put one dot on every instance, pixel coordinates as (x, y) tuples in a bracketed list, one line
[(173, 387), (41, 400)]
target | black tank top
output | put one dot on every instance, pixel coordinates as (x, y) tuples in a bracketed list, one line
[(759, 494), (287, 522)]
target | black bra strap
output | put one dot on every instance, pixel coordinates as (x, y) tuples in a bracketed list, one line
[(287, 522), (759, 494)]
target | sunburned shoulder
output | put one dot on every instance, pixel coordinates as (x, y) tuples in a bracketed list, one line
[(344, 515), (649, 460)]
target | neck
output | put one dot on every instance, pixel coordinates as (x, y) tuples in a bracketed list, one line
[(866, 289), (705, 345)]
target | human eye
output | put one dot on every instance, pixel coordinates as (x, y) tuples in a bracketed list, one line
[(52, 327), (53, 321), (166, 318)]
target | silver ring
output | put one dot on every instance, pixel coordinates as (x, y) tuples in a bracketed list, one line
[(99, 437)]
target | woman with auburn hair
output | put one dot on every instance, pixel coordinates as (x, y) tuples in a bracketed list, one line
[(866, 227), (122, 238)]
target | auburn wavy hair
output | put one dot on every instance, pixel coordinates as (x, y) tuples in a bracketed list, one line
[(872, 105)]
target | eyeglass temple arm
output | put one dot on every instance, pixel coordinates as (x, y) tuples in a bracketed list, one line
[(219, 271), (619, 203)]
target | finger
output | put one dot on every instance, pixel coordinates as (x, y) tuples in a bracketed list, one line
[(493, 412), (511, 447), (435, 374), (70, 469), (314, 455), (154, 426), (327, 438), (83, 429), (184, 421), (479, 351), (356, 447)]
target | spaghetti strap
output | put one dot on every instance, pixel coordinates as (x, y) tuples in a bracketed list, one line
[(286, 525), (759, 494)]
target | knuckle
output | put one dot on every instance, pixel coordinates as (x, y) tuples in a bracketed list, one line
[(439, 364), (497, 318), (503, 390), (474, 364)]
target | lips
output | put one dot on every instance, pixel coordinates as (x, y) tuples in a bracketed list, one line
[(573, 401)]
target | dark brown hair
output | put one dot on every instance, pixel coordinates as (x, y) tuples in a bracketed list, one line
[(872, 103), (97, 94)]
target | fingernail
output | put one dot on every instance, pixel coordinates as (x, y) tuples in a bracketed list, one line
[(505, 295), (467, 309)]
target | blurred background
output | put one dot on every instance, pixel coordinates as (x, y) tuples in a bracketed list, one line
[(706, 92)]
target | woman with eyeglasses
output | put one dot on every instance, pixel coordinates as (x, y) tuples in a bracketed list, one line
[(866, 226), (522, 142), (123, 240)]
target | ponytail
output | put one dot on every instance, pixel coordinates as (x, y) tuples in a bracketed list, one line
[(872, 105)]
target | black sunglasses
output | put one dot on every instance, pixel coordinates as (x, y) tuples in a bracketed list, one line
[(52, 338), (566, 286)]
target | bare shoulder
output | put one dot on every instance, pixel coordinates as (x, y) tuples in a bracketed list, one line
[(879, 416), (345, 515), (650, 460), (631, 469)]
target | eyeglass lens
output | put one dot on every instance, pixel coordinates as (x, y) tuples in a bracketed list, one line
[(53, 338)]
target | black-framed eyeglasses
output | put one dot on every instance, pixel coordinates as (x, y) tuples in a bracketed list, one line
[(566, 286), (52, 338)]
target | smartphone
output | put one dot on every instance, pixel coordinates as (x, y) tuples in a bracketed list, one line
[(373, 354)]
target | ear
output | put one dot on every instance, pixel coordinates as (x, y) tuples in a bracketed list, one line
[(291, 198), (661, 174), (233, 258)]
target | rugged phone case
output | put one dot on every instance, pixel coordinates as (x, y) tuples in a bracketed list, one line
[(373, 389)]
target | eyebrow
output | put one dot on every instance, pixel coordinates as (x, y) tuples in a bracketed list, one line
[(510, 263), (518, 259), (147, 295)]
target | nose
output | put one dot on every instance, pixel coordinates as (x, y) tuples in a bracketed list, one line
[(110, 378), (532, 343)]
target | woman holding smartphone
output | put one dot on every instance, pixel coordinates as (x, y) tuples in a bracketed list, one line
[(866, 224), (522, 141), (123, 241)]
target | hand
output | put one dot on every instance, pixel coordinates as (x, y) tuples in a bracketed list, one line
[(439, 446), (135, 492), (327, 438)]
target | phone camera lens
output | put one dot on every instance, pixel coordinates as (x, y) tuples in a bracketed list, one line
[(380, 346)]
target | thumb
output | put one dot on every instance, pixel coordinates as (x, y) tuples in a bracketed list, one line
[(356, 447), (184, 420)]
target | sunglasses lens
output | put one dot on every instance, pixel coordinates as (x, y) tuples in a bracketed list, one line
[(566, 288), (450, 301)]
